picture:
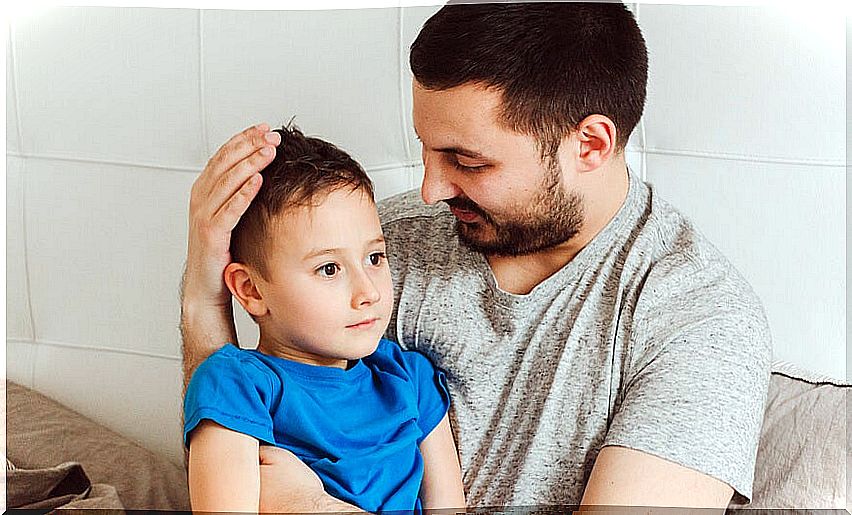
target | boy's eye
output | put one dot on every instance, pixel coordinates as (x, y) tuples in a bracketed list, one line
[(328, 269), (376, 258)]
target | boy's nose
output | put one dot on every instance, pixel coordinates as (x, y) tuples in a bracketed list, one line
[(364, 292)]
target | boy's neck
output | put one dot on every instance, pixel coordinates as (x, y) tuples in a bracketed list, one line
[(285, 351)]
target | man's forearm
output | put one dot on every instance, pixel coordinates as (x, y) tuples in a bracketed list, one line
[(305, 502), (204, 329)]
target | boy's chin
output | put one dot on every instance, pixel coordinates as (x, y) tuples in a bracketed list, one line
[(366, 350)]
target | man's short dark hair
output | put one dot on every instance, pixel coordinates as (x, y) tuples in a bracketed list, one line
[(304, 170), (555, 63)]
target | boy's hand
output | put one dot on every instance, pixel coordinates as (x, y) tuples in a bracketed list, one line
[(288, 485), (219, 197)]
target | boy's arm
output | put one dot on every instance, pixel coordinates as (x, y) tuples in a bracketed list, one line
[(224, 472), (219, 197), (442, 483)]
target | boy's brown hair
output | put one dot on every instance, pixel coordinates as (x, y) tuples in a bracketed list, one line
[(303, 171)]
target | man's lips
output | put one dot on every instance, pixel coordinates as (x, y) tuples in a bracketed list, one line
[(464, 215), (364, 324)]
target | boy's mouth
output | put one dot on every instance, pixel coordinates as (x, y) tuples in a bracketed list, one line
[(364, 324)]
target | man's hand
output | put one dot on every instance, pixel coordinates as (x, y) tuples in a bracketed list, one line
[(289, 486), (218, 199)]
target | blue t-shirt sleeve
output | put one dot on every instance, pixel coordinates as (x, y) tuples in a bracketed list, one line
[(232, 391), (433, 397)]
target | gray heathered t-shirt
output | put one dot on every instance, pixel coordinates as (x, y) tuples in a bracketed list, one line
[(647, 339)]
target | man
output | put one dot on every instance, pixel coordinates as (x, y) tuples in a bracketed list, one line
[(598, 349)]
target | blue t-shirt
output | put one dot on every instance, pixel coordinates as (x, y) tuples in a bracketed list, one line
[(358, 429)]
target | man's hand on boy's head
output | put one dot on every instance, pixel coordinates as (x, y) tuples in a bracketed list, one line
[(219, 197)]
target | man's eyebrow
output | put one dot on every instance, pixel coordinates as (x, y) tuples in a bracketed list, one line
[(461, 151)]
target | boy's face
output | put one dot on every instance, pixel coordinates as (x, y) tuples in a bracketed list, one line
[(329, 294)]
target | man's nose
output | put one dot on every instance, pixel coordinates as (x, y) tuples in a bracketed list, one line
[(437, 185)]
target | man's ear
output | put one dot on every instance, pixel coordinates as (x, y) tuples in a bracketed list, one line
[(240, 279), (596, 136)]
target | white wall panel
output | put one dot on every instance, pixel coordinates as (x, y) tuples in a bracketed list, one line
[(783, 227), (20, 359), (413, 19), (12, 143), (247, 332), (336, 71), (137, 396), (18, 321), (749, 81), (106, 246), (390, 182), (112, 84), (634, 161)]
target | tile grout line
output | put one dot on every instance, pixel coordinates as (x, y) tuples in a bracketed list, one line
[(201, 98), (644, 162), (175, 168), (746, 159), (23, 192), (401, 85), (12, 67), (416, 163), (112, 350)]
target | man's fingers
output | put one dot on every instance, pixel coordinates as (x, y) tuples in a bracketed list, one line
[(243, 145), (231, 211), (230, 184)]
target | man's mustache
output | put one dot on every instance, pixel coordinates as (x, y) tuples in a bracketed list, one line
[(466, 204)]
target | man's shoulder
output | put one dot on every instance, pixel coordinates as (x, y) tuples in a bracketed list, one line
[(409, 223), (408, 208), (688, 273)]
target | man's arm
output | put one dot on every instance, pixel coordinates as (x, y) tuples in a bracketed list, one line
[(627, 477), (287, 485), (219, 197), (442, 483)]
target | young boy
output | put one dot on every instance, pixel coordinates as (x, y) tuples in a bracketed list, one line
[(368, 418)]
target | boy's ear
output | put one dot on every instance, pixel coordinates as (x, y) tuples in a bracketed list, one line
[(239, 279)]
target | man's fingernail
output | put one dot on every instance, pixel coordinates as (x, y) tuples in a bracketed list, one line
[(262, 126), (266, 151), (272, 137)]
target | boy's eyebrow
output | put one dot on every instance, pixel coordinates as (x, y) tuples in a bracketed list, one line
[(322, 252)]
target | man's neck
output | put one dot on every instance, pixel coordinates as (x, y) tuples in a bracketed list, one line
[(520, 274)]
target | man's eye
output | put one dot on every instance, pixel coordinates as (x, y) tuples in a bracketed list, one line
[(465, 168), (328, 269), (376, 258)]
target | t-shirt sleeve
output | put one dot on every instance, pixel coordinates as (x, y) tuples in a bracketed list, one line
[(232, 392), (433, 398), (696, 384)]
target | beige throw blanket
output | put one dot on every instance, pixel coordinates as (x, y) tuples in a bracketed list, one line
[(64, 486)]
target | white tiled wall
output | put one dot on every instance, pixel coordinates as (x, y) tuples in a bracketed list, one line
[(112, 112)]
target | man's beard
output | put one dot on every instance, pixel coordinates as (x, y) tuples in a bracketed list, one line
[(553, 217)]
